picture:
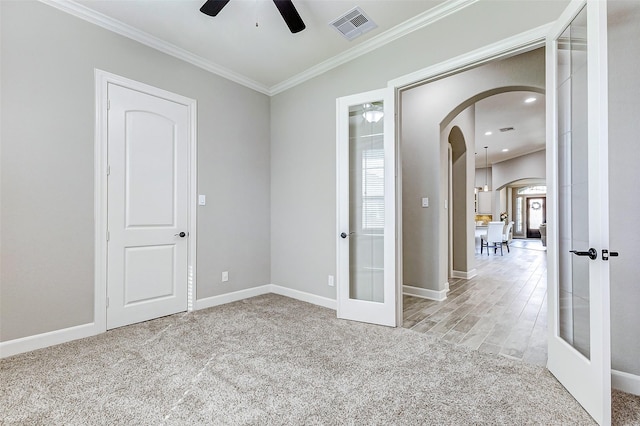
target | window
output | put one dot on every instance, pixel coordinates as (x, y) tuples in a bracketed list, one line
[(535, 189), (373, 189)]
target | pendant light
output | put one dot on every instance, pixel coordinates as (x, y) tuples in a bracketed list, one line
[(486, 169), (372, 113)]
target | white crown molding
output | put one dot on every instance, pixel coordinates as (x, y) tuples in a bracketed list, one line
[(420, 21), (101, 20), (511, 46), (443, 10)]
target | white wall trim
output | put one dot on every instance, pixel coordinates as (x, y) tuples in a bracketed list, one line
[(106, 22), (425, 293), (102, 80), (625, 382), (466, 275), (223, 299), (511, 46), (420, 21), (39, 341), (265, 289), (304, 297), (43, 340)]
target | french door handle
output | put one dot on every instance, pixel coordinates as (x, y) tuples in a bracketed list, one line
[(345, 235), (592, 253)]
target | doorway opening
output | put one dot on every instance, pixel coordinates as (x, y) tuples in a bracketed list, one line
[(484, 300)]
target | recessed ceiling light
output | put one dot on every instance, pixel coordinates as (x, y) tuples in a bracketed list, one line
[(505, 150), (488, 133), (529, 100)]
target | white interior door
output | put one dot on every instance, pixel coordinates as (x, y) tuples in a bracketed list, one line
[(366, 234), (578, 223), (147, 206)]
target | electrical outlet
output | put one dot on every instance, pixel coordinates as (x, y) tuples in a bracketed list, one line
[(331, 281), (225, 276)]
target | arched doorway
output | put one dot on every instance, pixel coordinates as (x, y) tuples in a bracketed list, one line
[(458, 207)]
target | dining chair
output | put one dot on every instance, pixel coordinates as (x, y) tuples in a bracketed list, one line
[(508, 235), (493, 238)]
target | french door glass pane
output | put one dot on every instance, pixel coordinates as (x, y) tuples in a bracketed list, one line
[(573, 202), (366, 202)]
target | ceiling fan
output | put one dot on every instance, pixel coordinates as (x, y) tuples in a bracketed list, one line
[(286, 8)]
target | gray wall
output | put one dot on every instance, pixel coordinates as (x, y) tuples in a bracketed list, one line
[(303, 184), (481, 176), (624, 175), (526, 166), (46, 213)]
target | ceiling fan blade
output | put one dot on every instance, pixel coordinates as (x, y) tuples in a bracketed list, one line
[(213, 7), (290, 15)]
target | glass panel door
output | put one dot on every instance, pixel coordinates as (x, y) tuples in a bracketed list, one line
[(573, 203), (578, 279), (366, 202), (366, 208)]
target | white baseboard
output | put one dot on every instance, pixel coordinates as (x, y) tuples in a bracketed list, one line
[(625, 382), (304, 297), (43, 340), (464, 275), (39, 341), (265, 289), (209, 302), (425, 293)]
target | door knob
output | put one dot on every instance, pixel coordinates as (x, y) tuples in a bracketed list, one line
[(345, 235), (181, 235), (592, 253)]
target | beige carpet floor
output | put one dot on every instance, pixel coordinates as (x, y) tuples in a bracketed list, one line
[(271, 360)]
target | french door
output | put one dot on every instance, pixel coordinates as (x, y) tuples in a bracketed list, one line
[(578, 293), (366, 225)]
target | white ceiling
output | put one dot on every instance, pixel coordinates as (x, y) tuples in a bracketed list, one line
[(509, 110), (269, 58), (267, 54)]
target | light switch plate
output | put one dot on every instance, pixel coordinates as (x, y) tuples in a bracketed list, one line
[(202, 200), (331, 281), (425, 202)]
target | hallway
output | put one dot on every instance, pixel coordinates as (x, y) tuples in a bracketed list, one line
[(503, 310)]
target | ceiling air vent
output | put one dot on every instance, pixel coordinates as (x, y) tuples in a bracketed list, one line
[(353, 24), (506, 129)]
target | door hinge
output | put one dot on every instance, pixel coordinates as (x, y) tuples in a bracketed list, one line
[(108, 235), (108, 104), (107, 302), (108, 170)]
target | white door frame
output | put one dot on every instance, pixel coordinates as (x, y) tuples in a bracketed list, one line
[(512, 46), (102, 80), (520, 43)]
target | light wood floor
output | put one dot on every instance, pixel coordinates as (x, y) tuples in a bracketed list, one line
[(503, 310)]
